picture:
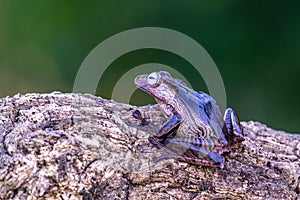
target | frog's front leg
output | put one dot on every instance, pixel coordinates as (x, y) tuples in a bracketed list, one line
[(161, 131), (234, 129)]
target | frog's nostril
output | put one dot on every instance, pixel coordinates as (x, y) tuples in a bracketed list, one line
[(137, 79)]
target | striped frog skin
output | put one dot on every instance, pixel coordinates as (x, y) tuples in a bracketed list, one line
[(195, 131)]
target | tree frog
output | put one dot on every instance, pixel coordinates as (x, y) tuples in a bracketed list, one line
[(195, 131)]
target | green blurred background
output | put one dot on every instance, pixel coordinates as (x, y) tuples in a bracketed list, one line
[(255, 45)]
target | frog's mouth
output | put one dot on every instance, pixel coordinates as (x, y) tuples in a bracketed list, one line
[(141, 82), (148, 89)]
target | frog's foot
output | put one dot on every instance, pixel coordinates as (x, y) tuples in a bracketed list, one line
[(148, 128), (194, 160), (233, 126), (144, 124), (158, 144), (137, 114)]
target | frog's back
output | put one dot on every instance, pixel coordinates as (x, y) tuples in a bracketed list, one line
[(202, 116)]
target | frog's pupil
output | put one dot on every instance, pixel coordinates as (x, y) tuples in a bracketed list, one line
[(208, 109)]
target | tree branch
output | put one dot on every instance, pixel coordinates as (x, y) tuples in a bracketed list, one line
[(73, 146)]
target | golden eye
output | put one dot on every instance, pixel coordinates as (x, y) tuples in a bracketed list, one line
[(153, 78)]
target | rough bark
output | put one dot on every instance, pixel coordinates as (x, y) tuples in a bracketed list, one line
[(73, 146)]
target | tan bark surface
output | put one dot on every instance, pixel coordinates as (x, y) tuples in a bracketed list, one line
[(72, 146)]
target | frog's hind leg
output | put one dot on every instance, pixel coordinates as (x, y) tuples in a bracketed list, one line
[(234, 131), (212, 159), (187, 152)]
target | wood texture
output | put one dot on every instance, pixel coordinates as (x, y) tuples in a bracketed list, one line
[(73, 146)]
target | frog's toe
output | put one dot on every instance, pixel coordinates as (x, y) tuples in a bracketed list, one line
[(216, 158), (163, 157), (233, 126), (157, 159), (129, 123), (140, 127)]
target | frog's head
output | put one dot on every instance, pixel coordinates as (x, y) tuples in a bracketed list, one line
[(161, 85)]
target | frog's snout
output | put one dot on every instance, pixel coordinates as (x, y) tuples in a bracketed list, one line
[(140, 80)]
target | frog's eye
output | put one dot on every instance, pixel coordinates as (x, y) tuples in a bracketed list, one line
[(153, 78)]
